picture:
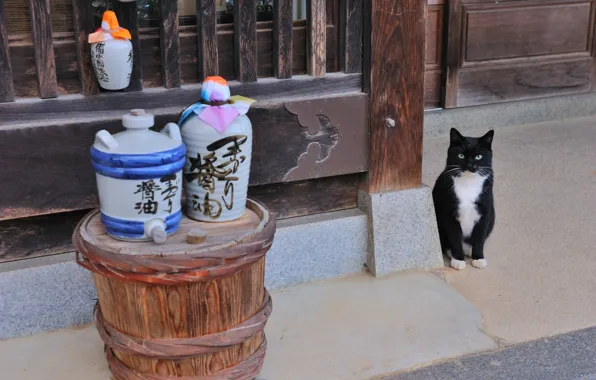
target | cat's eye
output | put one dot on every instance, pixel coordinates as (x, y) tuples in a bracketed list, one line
[(460, 156), (479, 157)]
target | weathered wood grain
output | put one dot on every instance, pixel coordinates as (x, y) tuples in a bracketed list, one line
[(128, 18), (170, 43), (207, 38), (51, 234), (524, 81), (397, 100), (432, 88), (38, 236), (245, 40), (44, 48), (83, 26), (6, 81), (288, 200), (23, 112), (453, 59), (54, 178), (523, 56), (507, 32), (350, 27), (317, 36), (282, 38)]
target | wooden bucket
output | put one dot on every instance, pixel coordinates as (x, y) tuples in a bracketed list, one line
[(194, 311)]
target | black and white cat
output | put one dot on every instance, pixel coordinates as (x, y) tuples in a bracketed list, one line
[(463, 197)]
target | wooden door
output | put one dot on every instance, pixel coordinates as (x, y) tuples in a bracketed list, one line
[(500, 51)]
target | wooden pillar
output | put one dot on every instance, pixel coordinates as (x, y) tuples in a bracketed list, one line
[(394, 47)]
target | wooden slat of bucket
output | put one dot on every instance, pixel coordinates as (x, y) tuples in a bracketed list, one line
[(351, 24), (316, 14), (128, 17), (41, 26), (245, 40), (170, 43), (83, 26), (283, 27), (6, 81), (207, 38), (185, 309)]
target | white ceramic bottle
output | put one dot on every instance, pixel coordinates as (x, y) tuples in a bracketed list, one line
[(218, 138), (139, 178), (111, 54)]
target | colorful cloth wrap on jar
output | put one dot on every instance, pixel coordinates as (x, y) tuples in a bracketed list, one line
[(217, 108), (110, 30)]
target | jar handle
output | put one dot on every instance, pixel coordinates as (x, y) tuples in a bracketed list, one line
[(105, 138), (172, 130)]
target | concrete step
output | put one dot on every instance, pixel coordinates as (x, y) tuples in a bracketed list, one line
[(353, 328)]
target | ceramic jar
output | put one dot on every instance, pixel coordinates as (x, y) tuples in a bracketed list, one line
[(111, 54), (218, 138), (139, 178)]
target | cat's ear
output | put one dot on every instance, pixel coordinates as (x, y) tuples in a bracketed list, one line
[(455, 137), (487, 139)]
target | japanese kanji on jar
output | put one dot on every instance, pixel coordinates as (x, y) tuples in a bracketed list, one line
[(218, 137), (139, 178)]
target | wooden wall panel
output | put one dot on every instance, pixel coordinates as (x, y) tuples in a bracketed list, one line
[(433, 55), (523, 32), (52, 234), (524, 81), (514, 50), (292, 141)]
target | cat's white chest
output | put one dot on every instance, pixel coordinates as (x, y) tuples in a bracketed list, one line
[(468, 188)]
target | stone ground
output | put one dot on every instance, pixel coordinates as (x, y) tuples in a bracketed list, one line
[(539, 282)]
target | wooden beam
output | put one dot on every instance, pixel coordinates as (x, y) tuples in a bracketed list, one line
[(245, 40), (282, 38), (170, 43), (128, 17), (267, 89), (316, 48), (395, 31), (83, 26), (350, 27), (207, 38), (41, 25), (6, 82)]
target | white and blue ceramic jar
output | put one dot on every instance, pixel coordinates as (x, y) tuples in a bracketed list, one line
[(139, 178), (111, 53), (218, 138)]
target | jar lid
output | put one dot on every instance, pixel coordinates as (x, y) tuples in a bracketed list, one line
[(137, 138), (138, 152)]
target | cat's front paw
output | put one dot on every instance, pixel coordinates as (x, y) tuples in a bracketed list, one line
[(458, 264), (480, 263)]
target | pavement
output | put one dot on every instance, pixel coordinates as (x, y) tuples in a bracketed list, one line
[(540, 278), (570, 356), (539, 282)]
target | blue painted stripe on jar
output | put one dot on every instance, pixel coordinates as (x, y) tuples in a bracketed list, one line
[(139, 173), (136, 229), (138, 160)]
